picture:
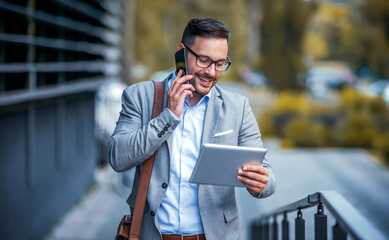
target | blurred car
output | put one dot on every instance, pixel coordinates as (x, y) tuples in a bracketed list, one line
[(378, 87), (321, 78), (385, 94), (253, 78)]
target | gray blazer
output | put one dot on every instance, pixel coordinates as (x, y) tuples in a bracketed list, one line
[(136, 138)]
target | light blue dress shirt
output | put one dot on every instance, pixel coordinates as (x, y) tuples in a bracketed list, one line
[(179, 211)]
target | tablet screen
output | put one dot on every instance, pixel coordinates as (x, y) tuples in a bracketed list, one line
[(218, 164)]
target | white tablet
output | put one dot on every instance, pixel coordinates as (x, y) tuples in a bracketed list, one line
[(218, 164)]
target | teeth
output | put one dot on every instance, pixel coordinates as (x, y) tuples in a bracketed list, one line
[(205, 80)]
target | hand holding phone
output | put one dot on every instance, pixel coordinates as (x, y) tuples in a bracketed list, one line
[(180, 88)]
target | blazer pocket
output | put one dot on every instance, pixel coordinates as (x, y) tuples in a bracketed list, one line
[(231, 213), (227, 138)]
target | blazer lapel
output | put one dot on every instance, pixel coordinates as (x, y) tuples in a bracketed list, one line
[(211, 117)]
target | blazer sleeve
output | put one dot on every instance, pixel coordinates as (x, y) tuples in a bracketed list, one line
[(250, 136), (136, 137)]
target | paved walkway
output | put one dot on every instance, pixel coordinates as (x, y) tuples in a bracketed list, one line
[(98, 214), (351, 172)]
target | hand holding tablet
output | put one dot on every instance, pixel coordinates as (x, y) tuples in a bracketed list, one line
[(254, 176), (218, 164)]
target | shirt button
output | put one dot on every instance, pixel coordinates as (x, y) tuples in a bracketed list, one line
[(152, 213), (164, 185), (159, 135), (165, 129), (167, 125), (162, 132)]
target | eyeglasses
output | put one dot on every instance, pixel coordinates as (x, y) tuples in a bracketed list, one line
[(205, 62)]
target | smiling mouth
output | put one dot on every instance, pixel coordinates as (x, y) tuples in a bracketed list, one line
[(205, 80)]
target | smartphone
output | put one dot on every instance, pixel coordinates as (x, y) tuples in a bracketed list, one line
[(181, 61)]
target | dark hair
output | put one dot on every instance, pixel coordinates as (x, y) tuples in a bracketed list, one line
[(204, 27)]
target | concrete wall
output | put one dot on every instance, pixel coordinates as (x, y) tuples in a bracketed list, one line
[(47, 161)]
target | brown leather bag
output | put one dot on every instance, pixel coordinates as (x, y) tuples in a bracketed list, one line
[(124, 228), (129, 229)]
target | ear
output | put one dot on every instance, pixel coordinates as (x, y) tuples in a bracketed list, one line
[(180, 46)]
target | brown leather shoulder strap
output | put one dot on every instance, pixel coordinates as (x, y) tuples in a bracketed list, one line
[(158, 99), (146, 171)]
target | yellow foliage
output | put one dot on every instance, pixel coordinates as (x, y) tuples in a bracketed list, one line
[(292, 102), (315, 45), (266, 123), (381, 143), (305, 132), (356, 130), (330, 19), (350, 100)]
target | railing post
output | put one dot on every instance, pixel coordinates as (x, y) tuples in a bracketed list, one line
[(275, 228), (256, 230), (285, 228), (300, 226), (320, 224), (338, 233), (349, 220), (265, 230)]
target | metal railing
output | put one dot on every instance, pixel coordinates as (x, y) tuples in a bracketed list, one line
[(60, 21), (349, 222)]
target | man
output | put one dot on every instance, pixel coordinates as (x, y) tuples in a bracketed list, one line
[(194, 113)]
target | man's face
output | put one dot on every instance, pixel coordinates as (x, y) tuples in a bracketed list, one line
[(205, 78)]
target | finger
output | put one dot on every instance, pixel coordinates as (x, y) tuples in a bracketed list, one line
[(179, 74), (177, 83), (185, 93), (179, 79), (250, 183), (184, 87), (173, 86), (255, 168), (176, 90), (183, 90), (180, 95), (255, 176), (255, 190)]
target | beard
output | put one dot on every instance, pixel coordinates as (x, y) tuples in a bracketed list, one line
[(199, 89)]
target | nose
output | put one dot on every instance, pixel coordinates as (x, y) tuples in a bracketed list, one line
[(211, 70)]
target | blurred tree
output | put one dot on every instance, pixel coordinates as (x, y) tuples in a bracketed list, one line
[(159, 25), (324, 35), (372, 35), (376, 12), (155, 30), (354, 33), (282, 29)]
